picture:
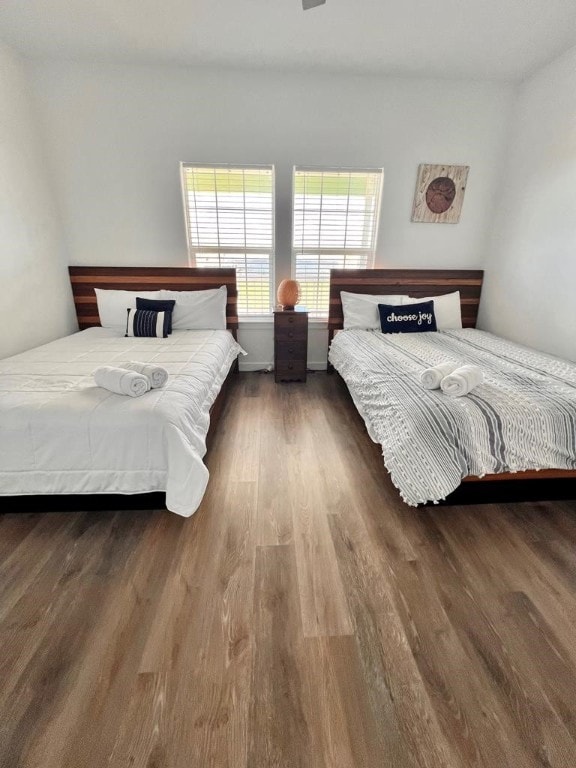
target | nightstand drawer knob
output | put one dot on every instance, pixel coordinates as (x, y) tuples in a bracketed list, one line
[(290, 334)]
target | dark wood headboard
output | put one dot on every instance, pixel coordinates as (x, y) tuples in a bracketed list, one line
[(414, 282), (85, 279)]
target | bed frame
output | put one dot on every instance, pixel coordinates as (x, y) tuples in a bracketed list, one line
[(83, 281), (419, 283)]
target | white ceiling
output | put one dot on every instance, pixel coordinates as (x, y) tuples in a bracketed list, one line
[(497, 39)]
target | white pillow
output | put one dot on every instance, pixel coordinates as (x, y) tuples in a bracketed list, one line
[(113, 305), (361, 309), (198, 310), (447, 310)]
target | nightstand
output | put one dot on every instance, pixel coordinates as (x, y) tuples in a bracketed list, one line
[(290, 345)]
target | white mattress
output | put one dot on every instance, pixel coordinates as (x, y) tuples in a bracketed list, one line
[(61, 434)]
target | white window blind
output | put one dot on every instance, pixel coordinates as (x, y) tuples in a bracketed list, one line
[(335, 225), (229, 213)]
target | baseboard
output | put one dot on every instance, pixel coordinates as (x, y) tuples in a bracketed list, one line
[(245, 367), (250, 366)]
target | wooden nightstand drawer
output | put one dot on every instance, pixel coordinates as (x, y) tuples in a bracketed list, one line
[(291, 333), (291, 326), (290, 371), (291, 350), (290, 318)]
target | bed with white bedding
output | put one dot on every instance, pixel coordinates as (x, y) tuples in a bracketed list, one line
[(61, 434), (522, 416)]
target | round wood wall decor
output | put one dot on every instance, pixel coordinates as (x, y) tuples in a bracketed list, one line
[(439, 193)]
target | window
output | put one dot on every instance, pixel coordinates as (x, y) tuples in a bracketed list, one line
[(229, 214), (335, 225)]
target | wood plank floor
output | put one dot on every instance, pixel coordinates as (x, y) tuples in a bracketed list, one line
[(303, 617)]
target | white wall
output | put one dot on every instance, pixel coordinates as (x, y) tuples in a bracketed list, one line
[(530, 287), (36, 303), (117, 133)]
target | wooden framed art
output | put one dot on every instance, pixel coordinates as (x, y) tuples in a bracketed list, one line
[(439, 193)]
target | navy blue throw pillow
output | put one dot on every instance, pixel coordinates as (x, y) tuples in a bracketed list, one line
[(410, 318), (145, 322), (158, 305)]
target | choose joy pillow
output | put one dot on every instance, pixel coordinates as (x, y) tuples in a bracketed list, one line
[(411, 318)]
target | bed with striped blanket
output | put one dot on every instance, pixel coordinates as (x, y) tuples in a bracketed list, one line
[(522, 417)]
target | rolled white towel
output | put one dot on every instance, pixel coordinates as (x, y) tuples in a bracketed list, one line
[(462, 380), (431, 377), (156, 375), (121, 381)]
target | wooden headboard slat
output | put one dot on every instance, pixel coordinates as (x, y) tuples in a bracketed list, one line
[(99, 280), (414, 282), (85, 292), (463, 301), (397, 282), (85, 279)]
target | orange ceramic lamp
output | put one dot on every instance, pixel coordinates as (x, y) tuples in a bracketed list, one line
[(288, 293)]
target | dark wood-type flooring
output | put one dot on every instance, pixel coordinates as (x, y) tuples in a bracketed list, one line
[(303, 617)]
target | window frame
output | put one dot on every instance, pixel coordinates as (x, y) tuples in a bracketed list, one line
[(370, 252), (232, 250)]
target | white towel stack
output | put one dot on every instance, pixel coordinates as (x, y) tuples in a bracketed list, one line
[(121, 381), (157, 375), (453, 379), (431, 378), (133, 378), (462, 380)]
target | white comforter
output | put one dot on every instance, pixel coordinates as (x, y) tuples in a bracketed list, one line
[(60, 433)]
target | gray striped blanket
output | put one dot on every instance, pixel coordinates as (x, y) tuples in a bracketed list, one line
[(523, 415)]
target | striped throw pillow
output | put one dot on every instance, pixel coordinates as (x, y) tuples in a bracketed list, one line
[(157, 306), (146, 322)]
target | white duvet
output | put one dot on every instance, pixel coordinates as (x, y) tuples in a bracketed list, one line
[(61, 434)]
